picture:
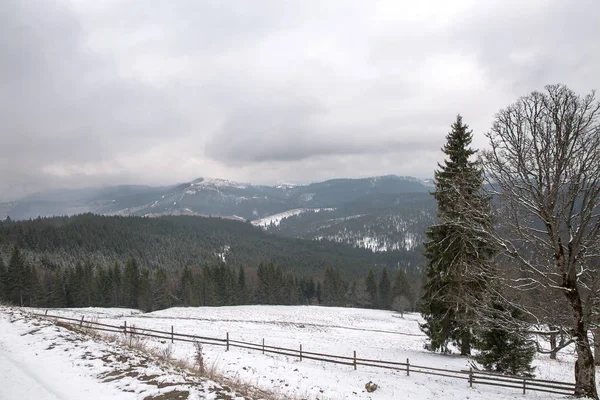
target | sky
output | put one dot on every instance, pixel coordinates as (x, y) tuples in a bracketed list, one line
[(97, 93)]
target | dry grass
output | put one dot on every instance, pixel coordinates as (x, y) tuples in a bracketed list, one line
[(197, 368)]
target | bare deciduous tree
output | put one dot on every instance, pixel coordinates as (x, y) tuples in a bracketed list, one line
[(544, 165)]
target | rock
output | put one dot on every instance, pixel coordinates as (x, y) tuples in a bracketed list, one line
[(371, 387)]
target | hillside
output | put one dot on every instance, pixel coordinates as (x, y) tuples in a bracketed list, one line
[(381, 222), (380, 213), (172, 242)]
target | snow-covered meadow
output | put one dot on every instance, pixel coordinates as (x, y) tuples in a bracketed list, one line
[(371, 333)]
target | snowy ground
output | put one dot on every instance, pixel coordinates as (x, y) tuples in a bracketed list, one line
[(373, 334), (42, 361)]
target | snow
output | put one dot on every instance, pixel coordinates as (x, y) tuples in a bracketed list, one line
[(25, 373), (275, 219), (216, 182), (374, 334), (42, 361)]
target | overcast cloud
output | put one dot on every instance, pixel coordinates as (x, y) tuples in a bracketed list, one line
[(165, 91)]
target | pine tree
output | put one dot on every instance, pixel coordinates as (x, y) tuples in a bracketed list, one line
[(187, 293), (102, 288), (333, 287), (371, 284), (131, 283), (3, 284), (385, 290), (59, 292), (16, 278), (319, 292), (33, 290), (145, 300), (401, 288), (504, 350), (456, 253), (116, 285), (161, 292), (242, 290)]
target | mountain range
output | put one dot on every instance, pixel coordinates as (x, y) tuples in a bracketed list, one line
[(380, 213)]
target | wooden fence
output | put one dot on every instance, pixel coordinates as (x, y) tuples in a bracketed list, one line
[(471, 376)]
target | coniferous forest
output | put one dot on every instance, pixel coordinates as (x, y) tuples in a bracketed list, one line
[(156, 263)]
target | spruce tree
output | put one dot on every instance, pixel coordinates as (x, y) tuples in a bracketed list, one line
[(319, 293), (242, 290), (131, 283), (401, 288), (161, 291), (502, 349), (385, 290), (16, 278), (3, 284), (457, 253), (187, 295), (371, 284), (333, 287), (145, 299), (116, 285)]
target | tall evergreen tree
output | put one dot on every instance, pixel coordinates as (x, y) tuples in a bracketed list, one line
[(145, 299), (371, 285), (401, 288), (115, 285), (455, 251), (16, 278), (385, 290), (319, 292), (242, 290), (333, 287), (161, 292), (59, 291), (131, 283), (187, 293), (3, 284), (505, 350), (32, 293)]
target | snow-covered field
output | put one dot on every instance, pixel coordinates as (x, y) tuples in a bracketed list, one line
[(371, 333)]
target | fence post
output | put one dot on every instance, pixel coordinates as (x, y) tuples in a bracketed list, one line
[(470, 376), (407, 367), (227, 341), (81, 322), (125, 327), (263, 345), (524, 384), (172, 335), (46, 313), (355, 360), (300, 351)]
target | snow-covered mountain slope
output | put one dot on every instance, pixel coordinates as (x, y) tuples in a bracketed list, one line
[(274, 220), (379, 213), (207, 196), (379, 223)]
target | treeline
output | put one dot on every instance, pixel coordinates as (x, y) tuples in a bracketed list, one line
[(131, 285), (176, 241), (370, 292)]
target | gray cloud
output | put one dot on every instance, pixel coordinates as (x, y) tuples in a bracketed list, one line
[(123, 92)]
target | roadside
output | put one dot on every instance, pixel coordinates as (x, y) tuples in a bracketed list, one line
[(41, 360)]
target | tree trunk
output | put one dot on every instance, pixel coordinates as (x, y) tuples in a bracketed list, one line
[(552, 343), (465, 345), (585, 370), (597, 346)]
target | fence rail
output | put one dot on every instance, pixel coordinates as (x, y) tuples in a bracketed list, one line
[(472, 376)]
